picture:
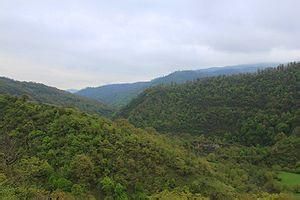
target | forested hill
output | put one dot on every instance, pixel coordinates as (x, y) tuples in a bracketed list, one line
[(50, 152), (190, 75), (116, 95), (45, 149), (50, 95), (119, 95), (249, 108)]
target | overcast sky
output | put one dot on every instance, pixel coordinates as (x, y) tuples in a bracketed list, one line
[(79, 43)]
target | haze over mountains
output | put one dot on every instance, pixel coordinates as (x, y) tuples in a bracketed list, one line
[(118, 95), (72, 90), (178, 100), (102, 100), (225, 106), (216, 138), (45, 94)]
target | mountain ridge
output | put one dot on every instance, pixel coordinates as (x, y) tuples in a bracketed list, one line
[(120, 94), (55, 152), (237, 106), (47, 94)]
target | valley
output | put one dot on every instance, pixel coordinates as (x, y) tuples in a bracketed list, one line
[(223, 137)]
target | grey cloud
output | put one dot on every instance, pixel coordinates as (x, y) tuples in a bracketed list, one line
[(102, 42)]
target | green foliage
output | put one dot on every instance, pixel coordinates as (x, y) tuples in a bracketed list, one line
[(82, 169), (60, 183), (107, 185), (177, 195), (33, 169), (50, 95), (251, 109), (55, 149), (252, 130), (118, 95)]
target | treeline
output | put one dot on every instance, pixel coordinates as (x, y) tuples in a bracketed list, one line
[(119, 95), (53, 152), (46, 150), (252, 109), (50, 95)]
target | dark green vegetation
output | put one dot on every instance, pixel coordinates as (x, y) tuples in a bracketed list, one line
[(49, 151), (118, 95), (251, 109), (50, 148), (226, 137), (50, 95)]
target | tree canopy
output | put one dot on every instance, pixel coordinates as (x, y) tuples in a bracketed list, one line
[(252, 109)]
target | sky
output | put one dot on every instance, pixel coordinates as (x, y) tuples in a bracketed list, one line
[(80, 43)]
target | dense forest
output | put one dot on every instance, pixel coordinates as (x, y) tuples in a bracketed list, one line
[(149, 100), (61, 153), (251, 109), (218, 138), (118, 95), (50, 95)]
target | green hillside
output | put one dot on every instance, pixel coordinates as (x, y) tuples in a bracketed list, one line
[(50, 95), (118, 95), (251, 109), (47, 151), (291, 179), (226, 138), (51, 148)]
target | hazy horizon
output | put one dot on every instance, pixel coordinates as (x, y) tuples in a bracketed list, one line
[(159, 76), (75, 44)]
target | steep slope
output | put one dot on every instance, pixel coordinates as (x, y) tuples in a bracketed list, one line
[(190, 75), (45, 94), (119, 95), (116, 95), (49, 152), (249, 108), (46, 148)]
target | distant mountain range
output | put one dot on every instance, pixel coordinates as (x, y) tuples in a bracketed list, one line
[(50, 95), (118, 95), (222, 137), (93, 100), (72, 90), (237, 104)]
